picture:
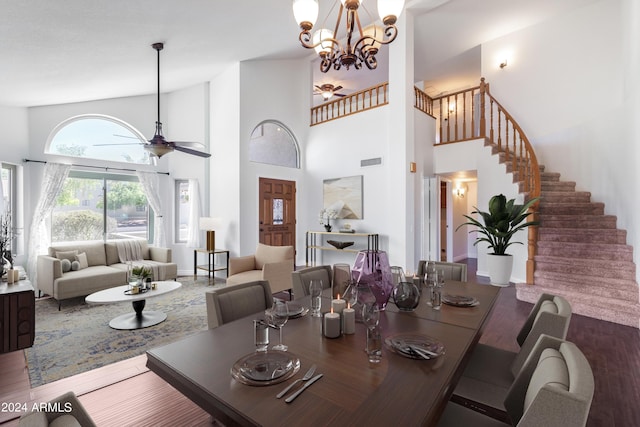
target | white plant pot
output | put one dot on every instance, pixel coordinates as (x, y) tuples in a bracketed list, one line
[(500, 267)]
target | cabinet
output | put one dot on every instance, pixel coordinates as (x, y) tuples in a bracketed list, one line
[(211, 267), (17, 316), (316, 241)]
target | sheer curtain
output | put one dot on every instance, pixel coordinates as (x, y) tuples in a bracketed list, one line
[(151, 185), (54, 176), (193, 236)]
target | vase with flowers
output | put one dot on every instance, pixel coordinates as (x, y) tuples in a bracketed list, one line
[(325, 217)]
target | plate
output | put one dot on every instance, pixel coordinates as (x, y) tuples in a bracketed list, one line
[(459, 300), (296, 310), (403, 344), (265, 368)]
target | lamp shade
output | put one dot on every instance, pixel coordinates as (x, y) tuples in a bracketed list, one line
[(390, 8), (325, 46), (305, 11), (208, 223)]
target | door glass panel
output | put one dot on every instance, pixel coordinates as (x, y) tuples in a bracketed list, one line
[(278, 212)]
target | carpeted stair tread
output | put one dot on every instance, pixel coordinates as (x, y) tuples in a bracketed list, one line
[(596, 286), (591, 208), (609, 309), (596, 268), (598, 236), (557, 186), (578, 221), (586, 250), (549, 177), (563, 197)]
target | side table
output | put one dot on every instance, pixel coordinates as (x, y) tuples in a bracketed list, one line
[(210, 267), (17, 315)]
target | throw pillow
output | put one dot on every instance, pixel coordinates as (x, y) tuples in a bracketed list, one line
[(70, 255), (82, 259), (66, 265), (75, 266)]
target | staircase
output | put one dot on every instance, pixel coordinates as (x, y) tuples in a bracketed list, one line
[(582, 256)]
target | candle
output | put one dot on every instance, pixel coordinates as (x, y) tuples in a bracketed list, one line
[(349, 320), (332, 325), (337, 305)]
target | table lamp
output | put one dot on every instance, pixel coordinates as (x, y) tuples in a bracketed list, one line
[(210, 224)]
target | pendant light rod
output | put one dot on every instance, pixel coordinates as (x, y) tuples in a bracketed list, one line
[(158, 47)]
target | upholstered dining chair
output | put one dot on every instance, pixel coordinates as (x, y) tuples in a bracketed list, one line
[(554, 388), (300, 279), (234, 302), (491, 370), (452, 270), (65, 410)]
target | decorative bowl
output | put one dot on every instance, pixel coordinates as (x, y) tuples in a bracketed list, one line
[(339, 245)]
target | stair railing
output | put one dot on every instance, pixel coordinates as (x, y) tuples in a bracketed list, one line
[(475, 113)]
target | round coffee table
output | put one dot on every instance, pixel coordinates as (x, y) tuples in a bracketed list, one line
[(138, 319)]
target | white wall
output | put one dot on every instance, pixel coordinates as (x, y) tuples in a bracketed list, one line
[(187, 120), (572, 84)]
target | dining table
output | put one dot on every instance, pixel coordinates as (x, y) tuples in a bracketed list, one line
[(398, 390)]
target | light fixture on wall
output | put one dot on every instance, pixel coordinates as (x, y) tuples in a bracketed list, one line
[(354, 52), (503, 64), (460, 190), (210, 224)]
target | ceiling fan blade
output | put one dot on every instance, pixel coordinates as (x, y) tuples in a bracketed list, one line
[(339, 94), (189, 144), (124, 136), (318, 87), (190, 151), (118, 143), (337, 88)]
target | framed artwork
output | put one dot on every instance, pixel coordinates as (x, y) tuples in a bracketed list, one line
[(344, 195)]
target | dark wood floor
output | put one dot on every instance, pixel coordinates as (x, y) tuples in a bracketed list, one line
[(127, 394)]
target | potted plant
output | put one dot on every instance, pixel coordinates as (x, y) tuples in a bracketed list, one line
[(140, 273), (500, 224)]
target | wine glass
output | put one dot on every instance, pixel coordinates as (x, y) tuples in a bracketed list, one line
[(279, 316), (315, 291), (351, 294), (370, 315)]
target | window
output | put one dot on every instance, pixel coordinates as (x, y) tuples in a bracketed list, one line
[(92, 206), (273, 143), (98, 137), (9, 189), (182, 210)]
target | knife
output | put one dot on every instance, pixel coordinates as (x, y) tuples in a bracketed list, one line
[(297, 393)]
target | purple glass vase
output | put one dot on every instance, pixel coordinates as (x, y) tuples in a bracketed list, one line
[(372, 268)]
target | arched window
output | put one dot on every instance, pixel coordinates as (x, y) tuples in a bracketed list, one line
[(99, 137), (273, 143)]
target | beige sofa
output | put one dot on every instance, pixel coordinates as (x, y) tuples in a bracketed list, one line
[(104, 268), (271, 263)]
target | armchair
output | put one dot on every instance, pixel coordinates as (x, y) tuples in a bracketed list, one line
[(272, 263)]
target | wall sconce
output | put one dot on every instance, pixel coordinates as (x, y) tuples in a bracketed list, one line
[(210, 224), (503, 64), (412, 167), (460, 191), (452, 107)]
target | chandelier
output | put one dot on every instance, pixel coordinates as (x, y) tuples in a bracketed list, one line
[(361, 44)]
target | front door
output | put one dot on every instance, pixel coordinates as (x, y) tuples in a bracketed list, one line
[(277, 212)]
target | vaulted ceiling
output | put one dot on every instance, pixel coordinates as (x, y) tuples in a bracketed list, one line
[(55, 52)]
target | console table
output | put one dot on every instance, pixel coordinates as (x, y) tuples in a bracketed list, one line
[(17, 315), (315, 242), (210, 267)]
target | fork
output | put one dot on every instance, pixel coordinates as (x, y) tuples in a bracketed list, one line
[(306, 377)]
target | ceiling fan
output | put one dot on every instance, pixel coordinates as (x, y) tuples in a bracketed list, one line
[(158, 145), (327, 91)]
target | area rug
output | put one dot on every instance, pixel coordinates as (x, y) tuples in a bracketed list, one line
[(78, 338)]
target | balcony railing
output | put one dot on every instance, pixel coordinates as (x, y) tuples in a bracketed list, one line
[(373, 97)]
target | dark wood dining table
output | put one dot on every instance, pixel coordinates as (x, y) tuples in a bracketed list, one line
[(396, 391)]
